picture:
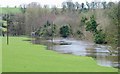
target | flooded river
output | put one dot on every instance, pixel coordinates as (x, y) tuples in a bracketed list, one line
[(100, 53)]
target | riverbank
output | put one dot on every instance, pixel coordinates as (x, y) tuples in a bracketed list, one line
[(22, 56)]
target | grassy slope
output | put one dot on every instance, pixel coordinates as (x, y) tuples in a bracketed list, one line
[(22, 56), (0, 55), (9, 10)]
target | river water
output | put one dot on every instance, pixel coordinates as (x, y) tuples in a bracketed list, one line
[(100, 53)]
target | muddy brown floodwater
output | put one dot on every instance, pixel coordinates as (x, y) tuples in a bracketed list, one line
[(100, 53)]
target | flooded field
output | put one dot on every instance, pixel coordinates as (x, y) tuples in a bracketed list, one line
[(101, 53)]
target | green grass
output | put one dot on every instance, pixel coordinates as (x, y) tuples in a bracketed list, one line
[(4, 10), (0, 55), (22, 56)]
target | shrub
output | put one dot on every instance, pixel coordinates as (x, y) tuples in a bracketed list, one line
[(99, 37), (65, 31), (91, 25)]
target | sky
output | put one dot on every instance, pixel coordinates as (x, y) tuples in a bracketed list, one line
[(12, 3)]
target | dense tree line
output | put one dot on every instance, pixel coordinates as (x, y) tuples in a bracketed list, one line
[(43, 20)]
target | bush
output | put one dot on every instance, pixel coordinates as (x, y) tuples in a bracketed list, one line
[(79, 32), (99, 37), (91, 25), (65, 31)]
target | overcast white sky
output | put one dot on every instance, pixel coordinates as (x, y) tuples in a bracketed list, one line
[(12, 3)]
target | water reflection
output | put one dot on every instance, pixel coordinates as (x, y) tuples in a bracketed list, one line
[(100, 53)]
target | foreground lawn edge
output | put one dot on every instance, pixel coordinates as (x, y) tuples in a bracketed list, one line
[(0, 55), (23, 56)]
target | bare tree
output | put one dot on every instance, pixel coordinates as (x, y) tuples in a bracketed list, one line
[(55, 10), (88, 5), (64, 7), (104, 5), (32, 16)]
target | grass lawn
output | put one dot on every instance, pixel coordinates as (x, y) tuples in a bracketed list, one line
[(4, 10), (0, 55), (23, 56)]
